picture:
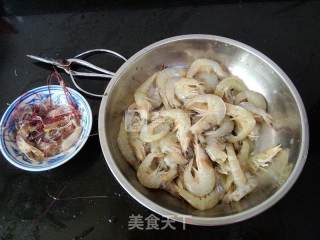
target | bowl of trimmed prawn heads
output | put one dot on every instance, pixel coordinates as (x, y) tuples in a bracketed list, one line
[(45, 127), (160, 164)]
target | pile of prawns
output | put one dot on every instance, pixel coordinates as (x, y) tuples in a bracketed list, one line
[(191, 132)]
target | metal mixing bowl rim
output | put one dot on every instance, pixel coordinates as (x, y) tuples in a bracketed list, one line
[(196, 220)]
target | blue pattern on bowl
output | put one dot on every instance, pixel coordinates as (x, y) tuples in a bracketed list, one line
[(8, 145)]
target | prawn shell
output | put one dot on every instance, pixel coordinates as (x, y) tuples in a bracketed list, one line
[(32, 152)]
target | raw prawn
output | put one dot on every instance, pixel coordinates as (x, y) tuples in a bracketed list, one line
[(186, 88), (201, 203), (125, 146), (154, 172), (263, 159), (208, 104), (137, 145), (244, 120), (141, 95), (210, 107), (163, 80), (156, 130), (182, 124), (227, 85), (224, 129), (258, 112), (243, 184), (244, 152), (279, 169), (216, 152), (255, 98), (200, 180), (210, 80), (206, 65), (170, 146)]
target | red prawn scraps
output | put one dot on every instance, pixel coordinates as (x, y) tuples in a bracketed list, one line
[(45, 125), (55, 74)]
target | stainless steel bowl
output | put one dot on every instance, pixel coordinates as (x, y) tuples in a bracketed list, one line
[(259, 73)]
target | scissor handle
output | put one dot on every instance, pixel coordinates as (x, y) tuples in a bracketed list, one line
[(93, 51), (88, 65), (103, 72), (90, 74)]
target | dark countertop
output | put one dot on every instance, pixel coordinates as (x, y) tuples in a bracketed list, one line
[(287, 32)]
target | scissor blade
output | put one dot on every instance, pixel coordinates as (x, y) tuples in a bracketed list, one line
[(45, 60)]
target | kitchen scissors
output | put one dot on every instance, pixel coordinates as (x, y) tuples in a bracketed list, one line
[(67, 65)]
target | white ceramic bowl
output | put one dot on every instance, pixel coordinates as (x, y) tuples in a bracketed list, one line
[(8, 144)]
